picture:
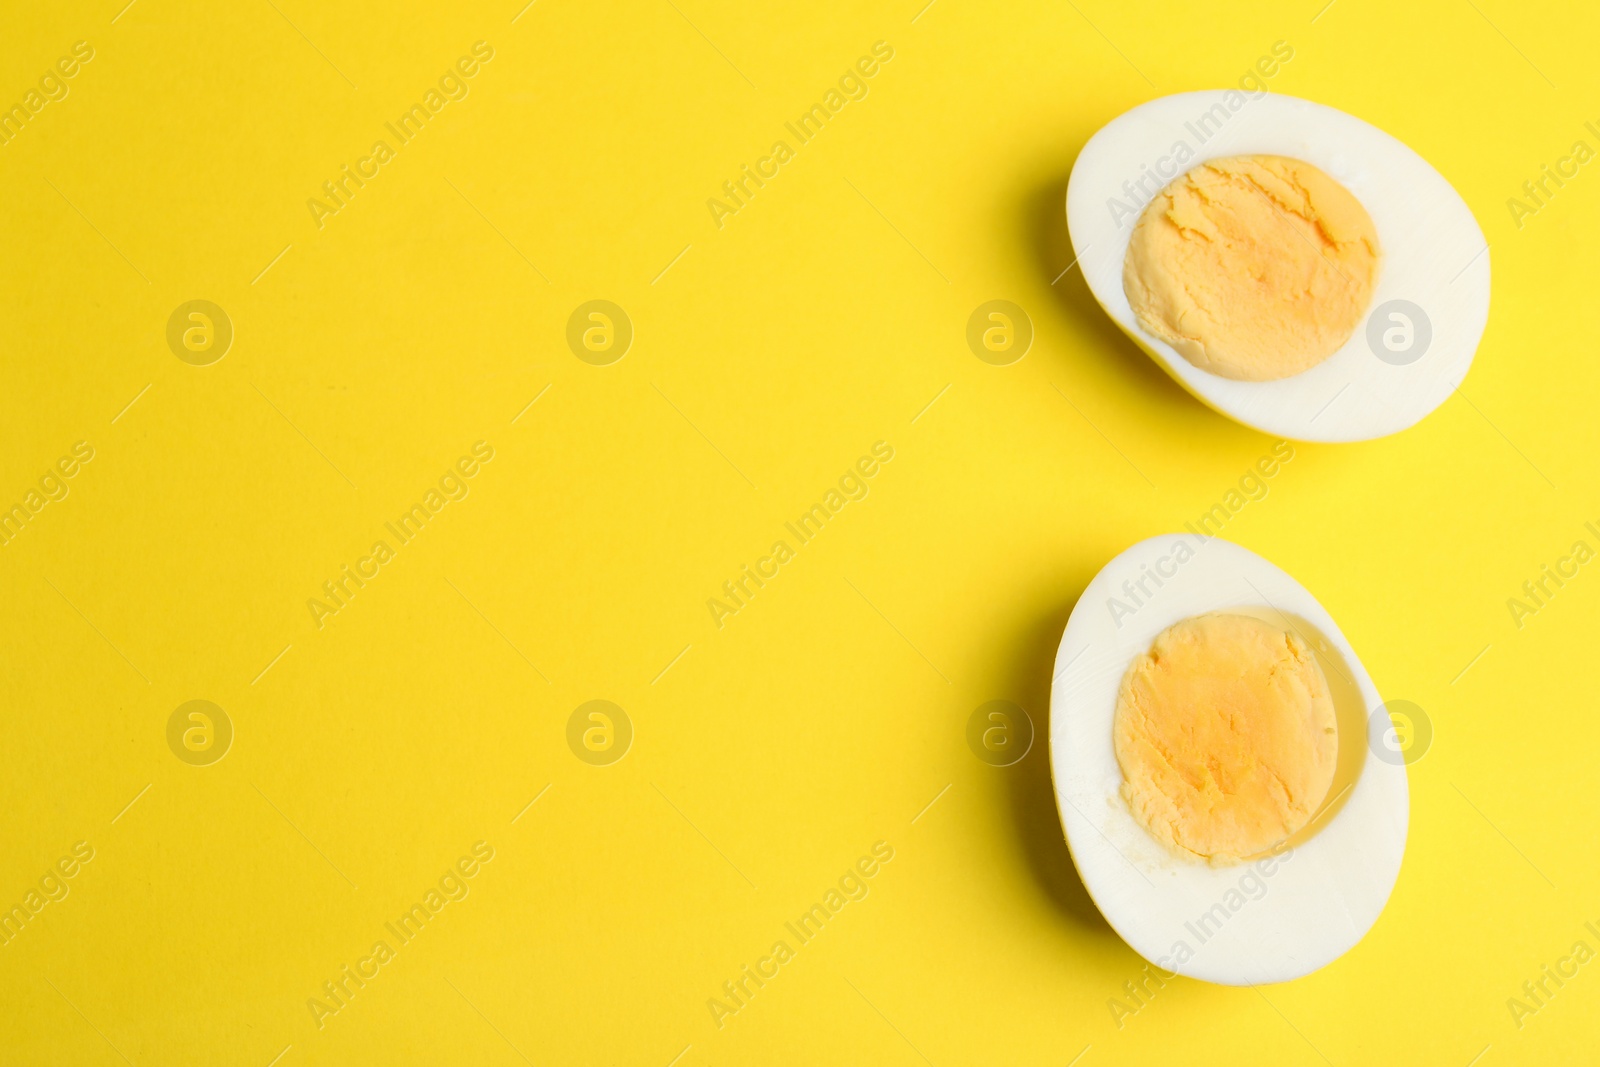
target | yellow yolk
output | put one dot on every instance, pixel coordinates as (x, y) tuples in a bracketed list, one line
[(1226, 737), (1252, 267)]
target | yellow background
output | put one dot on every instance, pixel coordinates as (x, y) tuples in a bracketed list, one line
[(828, 713)]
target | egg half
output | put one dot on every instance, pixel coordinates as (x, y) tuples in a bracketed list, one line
[(1426, 312), (1274, 916)]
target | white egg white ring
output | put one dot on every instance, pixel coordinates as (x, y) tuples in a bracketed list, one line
[(1434, 257), (1234, 925)]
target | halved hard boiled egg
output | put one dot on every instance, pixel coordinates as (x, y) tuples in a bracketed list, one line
[(1294, 267), (1208, 743)]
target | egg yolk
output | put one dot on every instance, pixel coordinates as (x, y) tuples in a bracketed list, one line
[(1226, 736), (1252, 267)]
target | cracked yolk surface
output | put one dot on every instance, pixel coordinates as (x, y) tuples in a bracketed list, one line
[(1226, 736), (1252, 267)]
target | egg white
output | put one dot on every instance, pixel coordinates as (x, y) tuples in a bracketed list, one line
[(1319, 898), (1434, 255)]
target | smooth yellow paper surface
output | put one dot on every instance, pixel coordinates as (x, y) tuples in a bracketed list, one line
[(772, 347)]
